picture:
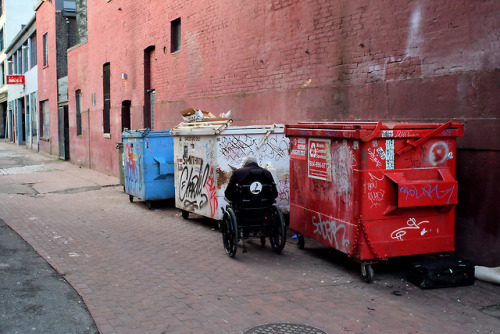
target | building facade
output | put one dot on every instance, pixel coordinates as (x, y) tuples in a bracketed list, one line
[(285, 61), (22, 72), (56, 26), (13, 15)]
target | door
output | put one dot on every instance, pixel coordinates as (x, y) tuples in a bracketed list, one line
[(27, 117), (22, 122), (148, 91), (63, 132), (126, 115)]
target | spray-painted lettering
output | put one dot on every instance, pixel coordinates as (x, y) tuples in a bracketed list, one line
[(328, 230), (427, 191), (412, 225), (192, 191), (212, 195)]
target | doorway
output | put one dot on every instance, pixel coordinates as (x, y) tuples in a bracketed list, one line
[(63, 132), (126, 115), (147, 86)]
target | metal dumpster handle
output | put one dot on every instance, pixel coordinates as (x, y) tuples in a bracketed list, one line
[(266, 135), (411, 144), (375, 132), (418, 193)]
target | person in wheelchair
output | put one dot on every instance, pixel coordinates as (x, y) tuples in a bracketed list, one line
[(251, 194), (249, 168)]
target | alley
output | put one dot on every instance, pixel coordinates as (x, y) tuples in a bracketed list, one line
[(151, 271)]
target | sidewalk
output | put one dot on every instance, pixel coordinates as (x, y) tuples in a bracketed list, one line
[(150, 271)]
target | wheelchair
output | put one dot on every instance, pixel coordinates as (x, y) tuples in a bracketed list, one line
[(253, 214)]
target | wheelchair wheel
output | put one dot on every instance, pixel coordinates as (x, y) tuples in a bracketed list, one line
[(230, 232), (278, 231)]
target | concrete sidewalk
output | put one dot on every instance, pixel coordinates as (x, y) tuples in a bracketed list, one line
[(150, 271)]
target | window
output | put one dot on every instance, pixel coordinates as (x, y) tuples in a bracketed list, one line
[(106, 85), (34, 114), (44, 105), (26, 67), (14, 63), (78, 99), (175, 35), (45, 50), (10, 66), (19, 62), (32, 51), (1, 35), (2, 77)]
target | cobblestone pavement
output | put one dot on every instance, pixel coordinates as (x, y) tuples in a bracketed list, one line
[(151, 271)]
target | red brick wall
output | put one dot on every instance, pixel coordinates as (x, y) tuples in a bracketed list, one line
[(289, 60), (47, 75)]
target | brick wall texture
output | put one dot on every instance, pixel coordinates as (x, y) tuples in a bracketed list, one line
[(282, 61)]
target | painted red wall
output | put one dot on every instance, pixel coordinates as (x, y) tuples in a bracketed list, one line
[(284, 61), (47, 75)]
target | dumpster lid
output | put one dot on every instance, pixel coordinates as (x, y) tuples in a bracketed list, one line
[(223, 128), (366, 131), (369, 125), (200, 128), (141, 133)]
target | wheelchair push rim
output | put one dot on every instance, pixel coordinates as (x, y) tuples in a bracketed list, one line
[(230, 232), (278, 231)]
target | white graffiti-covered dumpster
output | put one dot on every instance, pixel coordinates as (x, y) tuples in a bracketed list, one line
[(206, 153)]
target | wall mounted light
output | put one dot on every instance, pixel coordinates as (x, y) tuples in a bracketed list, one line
[(124, 75)]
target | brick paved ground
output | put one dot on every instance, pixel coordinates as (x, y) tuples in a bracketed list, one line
[(150, 271)]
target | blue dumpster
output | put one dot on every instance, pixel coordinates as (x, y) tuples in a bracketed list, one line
[(148, 165)]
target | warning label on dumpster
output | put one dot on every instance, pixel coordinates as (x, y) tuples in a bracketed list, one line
[(298, 148), (319, 159)]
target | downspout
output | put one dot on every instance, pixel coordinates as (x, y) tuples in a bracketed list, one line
[(88, 119)]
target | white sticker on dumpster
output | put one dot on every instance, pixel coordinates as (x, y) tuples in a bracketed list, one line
[(298, 148), (389, 154), (319, 159)]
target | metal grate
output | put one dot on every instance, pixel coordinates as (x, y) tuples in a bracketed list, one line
[(283, 328)]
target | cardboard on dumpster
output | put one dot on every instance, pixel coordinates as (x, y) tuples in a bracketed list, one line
[(198, 115)]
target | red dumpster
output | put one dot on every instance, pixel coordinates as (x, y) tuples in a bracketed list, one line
[(374, 190)]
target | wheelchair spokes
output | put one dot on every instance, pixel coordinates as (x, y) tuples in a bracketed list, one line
[(278, 231), (230, 232), (272, 225)]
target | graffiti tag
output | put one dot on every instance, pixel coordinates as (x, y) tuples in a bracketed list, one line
[(328, 230), (373, 157), (192, 185), (375, 195), (412, 225), (427, 191), (212, 195)]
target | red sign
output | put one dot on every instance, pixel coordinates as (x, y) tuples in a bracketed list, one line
[(320, 159), (15, 80)]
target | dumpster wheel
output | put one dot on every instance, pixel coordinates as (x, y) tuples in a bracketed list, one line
[(300, 241), (131, 198), (185, 214), (263, 241), (367, 273)]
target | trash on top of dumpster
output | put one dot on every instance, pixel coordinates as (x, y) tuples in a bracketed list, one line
[(206, 153), (198, 115)]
